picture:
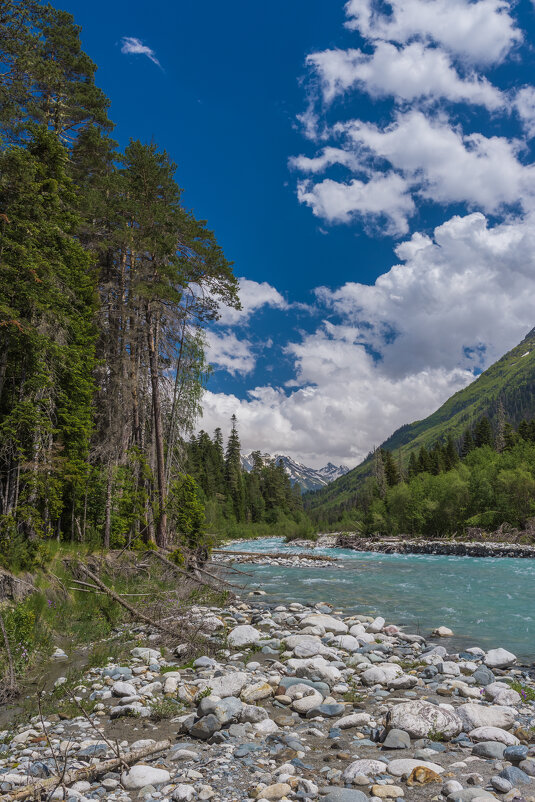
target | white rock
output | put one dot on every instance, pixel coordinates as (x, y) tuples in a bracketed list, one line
[(256, 692), (419, 718), (443, 632), (353, 720), (381, 674), (473, 716), (266, 727), (146, 654), (123, 689), (451, 668), (346, 642), (171, 684), (376, 625), (305, 645), (228, 685), (328, 622), (139, 776), (309, 701), (367, 768), (406, 765), (499, 658), (315, 666), (184, 793), (494, 734), (357, 630), (244, 635)]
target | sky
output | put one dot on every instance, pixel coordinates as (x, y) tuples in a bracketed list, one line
[(368, 166)]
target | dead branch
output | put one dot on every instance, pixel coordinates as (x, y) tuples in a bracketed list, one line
[(86, 773), (181, 570)]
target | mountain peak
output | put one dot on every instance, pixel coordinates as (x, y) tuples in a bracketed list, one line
[(307, 478)]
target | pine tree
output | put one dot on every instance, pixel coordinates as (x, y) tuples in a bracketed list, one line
[(468, 443), (424, 462), (500, 427), (413, 465), (233, 471), (483, 435), (449, 455), (379, 472), (391, 470)]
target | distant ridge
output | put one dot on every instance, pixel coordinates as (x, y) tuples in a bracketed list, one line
[(306, 478), (510, 380)]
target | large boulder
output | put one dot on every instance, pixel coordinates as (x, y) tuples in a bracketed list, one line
[(421, 718), (346, 642), (315, 667), (139, 776), (473, 716), (328, 622), (493, 734), (366, 767), (244, 635), (305, 645), (405, 766), (499, 658)]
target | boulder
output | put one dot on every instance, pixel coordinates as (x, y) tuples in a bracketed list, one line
[(382, 674), (139, 776), (353, 720), (493, 734), (420, 718), (442, 632), (346, 642), (228, 685), (244, 635), (367, 768), (256, 692), (328, 622), (404, 766), (473, 716), (397, 739), (499, 658)]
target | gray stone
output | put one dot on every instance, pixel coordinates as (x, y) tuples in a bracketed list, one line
[(368, 768), (515, 754), (205, 727), (225, 710), (491, 750), (397, 739), (528, 767), (483, 676), (403, 766), (420, 718), (515, 776), (329, 711), (499, 658), (501, 784), (474, 715), (139, 776), (344, 795), (245, 635), (467, 794)]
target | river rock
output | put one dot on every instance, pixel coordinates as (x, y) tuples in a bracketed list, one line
[(344, 795), (473, 716), (353, 720), (327, 622), (376, 625), (228, 685), (470, 794), (515, 776), (183, 793), (381, 675), (367, 768), (420, 718), (492, 750), (225, 710), (493, 734), (256, 692), (483, 675), (387, 791), (123, 689), (405, 765), (276, 791), (499, 658), (315, 667), (443, 632), (305, 645), (528, 766), (244, 635), (515, 754), (139, 776), (346, 642), (397, 739), (205, 727)]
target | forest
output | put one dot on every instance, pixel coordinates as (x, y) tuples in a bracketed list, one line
[(106, 282)]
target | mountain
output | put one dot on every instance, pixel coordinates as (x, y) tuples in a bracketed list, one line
[(306, 478), (510, 380)]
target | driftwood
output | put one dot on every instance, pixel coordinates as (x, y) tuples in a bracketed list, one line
[(132, 610), (182, 572), (35, 790)]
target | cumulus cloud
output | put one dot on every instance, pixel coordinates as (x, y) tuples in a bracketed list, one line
[(524, 104), (384, 197), (446, 166), (131, 44), (407, 73), (225, 351), (481, 32), (253, 296), (453, 304)]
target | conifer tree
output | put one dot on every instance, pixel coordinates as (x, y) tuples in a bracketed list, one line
[(233, 471), (468, 443), (483, 435), (390, 467)]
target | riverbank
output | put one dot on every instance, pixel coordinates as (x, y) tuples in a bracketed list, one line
[(283, 702), (447, 547)]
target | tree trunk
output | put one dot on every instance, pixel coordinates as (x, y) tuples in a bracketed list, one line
[(161, 526)]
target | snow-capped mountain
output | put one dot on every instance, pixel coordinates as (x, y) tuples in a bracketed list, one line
[(307, 478)]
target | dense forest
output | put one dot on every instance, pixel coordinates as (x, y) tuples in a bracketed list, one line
[(485, 481), (244, 503), (106, 281)]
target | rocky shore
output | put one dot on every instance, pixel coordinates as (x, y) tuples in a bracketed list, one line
[(289, 703), (463, 549)]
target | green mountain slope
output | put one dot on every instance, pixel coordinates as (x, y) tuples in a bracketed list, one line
[(510, 380)]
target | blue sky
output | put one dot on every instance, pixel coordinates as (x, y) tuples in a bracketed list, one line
[(368, 167)]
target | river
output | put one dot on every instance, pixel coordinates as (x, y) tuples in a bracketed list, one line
[(487, 602)]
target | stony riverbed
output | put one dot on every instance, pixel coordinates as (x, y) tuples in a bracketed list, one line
[(298, 703)]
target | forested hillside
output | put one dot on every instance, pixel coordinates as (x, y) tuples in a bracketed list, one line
[(504, 393), (105, 282)]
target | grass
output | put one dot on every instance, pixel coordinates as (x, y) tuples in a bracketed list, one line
[(163, 709), (527, 693)]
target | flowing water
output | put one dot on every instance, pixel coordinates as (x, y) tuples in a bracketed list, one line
[(487, 602)]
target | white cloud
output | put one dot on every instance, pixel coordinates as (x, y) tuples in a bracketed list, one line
[(446, 166), (225, 351), (253, 296), (479, 32), (469, 287), (131, 44), (524, 104), (384, 197), (407, 73)]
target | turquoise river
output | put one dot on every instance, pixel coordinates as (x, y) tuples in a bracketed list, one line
[(487, 602)]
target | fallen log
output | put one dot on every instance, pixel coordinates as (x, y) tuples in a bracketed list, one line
[(35, 790), (119, 599), (182, 572)]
